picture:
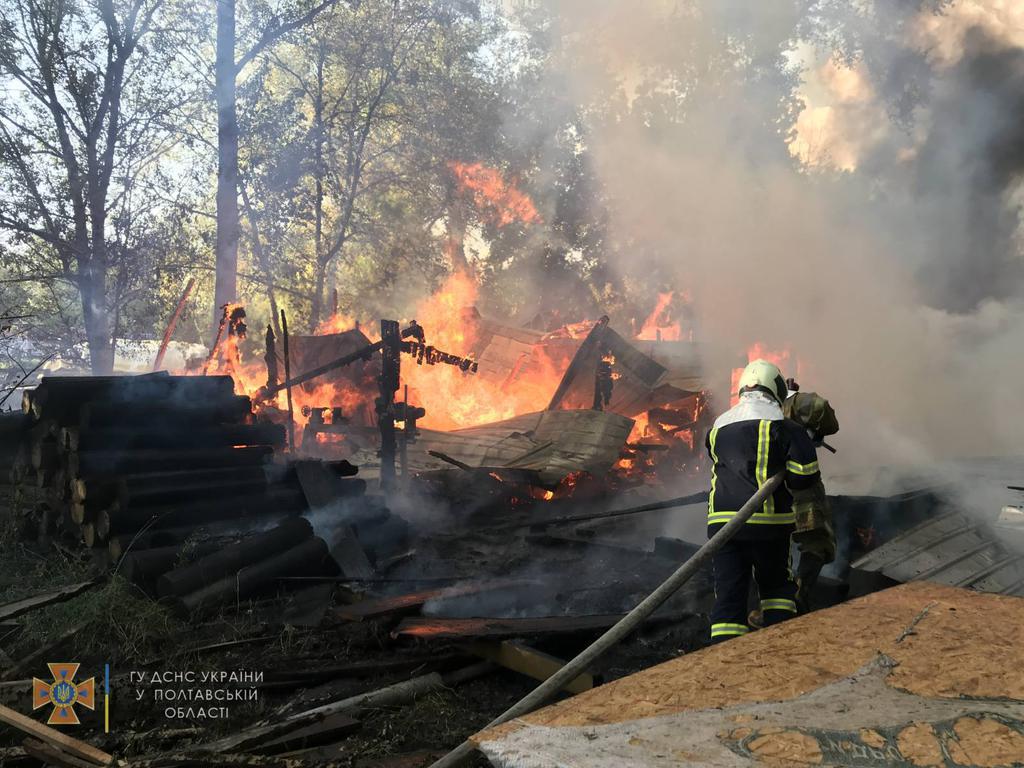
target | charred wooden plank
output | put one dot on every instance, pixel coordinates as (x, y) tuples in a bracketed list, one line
[(528, 661), (14, 609), (425, 627), (322, 483), (327, 731), (53, 737), (292, 677), (51, 755), (413, 601), (230, 560), (349, 555)]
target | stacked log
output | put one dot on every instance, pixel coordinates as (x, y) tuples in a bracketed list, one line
[(175, 480), (20, 497), (116, 454)]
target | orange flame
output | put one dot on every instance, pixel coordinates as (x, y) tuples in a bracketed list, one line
[(760, 351), (503, 202), (454, 399), (336, 323), (659, 324)]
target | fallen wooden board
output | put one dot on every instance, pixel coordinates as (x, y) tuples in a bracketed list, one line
[(54, 737), (398, 693), (447, 629), (328, 730), (51, 756), (26, 604), (528, 661), (594, 545), (349, 555), (413, 601), (292, 678), (320, 486)]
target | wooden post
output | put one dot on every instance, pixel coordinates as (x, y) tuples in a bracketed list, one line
[(390, 375), (172, 324), (590, 344), (218, 339), (288, 377), (271, 358)]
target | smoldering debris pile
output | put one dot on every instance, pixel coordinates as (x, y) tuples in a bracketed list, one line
[(488, 589)]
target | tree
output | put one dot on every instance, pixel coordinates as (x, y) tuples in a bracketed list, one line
[(226, 72), (82, 124), (389, 94)]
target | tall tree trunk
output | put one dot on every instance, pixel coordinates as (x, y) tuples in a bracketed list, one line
[(455, 235), (92, 277), (226, 287), (318, 293), (318, 173), (93, 288), (262, 259)]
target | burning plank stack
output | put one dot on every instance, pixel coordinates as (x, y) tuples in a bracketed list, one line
[(114, 455)]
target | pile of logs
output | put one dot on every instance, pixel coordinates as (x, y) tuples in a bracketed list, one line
[(17, 487), (114, 455), (223, 571)]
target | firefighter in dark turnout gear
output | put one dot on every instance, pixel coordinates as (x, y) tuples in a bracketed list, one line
[(748, 444)]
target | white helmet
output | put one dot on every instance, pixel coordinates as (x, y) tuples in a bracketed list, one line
[(760, 374)]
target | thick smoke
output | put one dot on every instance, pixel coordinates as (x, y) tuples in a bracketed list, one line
[(891, 267)]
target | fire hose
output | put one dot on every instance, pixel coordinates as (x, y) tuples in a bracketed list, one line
[(543, 692)]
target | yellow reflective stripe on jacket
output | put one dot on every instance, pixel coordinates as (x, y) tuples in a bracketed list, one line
[(761, 468), (720, 630), (714, 473), (765, 518), (778, 604), (802, 469)]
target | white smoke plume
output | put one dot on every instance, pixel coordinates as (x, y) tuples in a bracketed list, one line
[(839, 178)]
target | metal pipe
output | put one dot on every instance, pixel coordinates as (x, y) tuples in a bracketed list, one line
[(626, 625)]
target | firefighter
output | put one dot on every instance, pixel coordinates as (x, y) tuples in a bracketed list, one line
[(814, 534), (748, 444)]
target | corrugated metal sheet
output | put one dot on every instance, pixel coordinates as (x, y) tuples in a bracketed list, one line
[(957, 549)]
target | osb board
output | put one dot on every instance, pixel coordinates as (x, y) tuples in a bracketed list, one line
[(947, 643)]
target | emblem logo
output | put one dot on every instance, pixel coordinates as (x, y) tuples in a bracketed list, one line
[(63, 693)]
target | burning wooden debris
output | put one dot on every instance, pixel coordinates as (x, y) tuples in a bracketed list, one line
[(185, 489)]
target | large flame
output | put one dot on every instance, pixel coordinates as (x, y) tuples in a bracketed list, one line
[(454, 399), (493, 196), (659, 325), (760, 351)]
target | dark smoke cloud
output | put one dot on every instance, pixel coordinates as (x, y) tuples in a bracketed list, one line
[(975, 151), (897, 283)]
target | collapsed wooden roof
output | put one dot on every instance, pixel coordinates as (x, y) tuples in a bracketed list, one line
[(649, 374), (551, 443)]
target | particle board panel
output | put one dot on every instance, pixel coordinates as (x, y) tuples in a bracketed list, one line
[(946, 643)]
